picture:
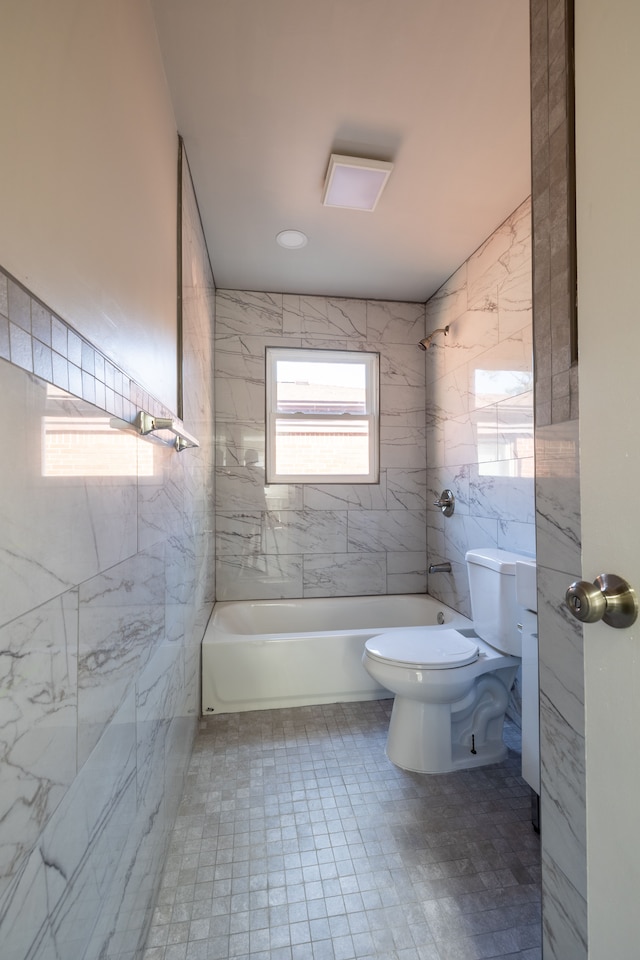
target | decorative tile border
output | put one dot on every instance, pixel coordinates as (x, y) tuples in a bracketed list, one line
[(35, 339)]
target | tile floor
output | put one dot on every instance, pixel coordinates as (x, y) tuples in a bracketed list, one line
[(298, 840)]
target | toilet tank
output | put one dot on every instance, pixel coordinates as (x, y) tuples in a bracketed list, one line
[(494, 611)]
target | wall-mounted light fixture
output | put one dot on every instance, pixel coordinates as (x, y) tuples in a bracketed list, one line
[(355, 183)]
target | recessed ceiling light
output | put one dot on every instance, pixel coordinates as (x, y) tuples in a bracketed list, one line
[(354, 182), (292, 239)]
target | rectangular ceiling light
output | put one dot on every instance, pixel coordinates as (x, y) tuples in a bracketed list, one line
[(354, 182)]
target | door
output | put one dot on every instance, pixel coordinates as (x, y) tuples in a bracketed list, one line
[(608, 262)]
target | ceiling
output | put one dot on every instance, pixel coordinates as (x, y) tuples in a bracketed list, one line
[(265, 90)]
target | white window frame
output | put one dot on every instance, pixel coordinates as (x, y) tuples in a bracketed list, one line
[(372, 416)]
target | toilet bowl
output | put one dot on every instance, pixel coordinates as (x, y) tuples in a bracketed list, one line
[(452, 687)]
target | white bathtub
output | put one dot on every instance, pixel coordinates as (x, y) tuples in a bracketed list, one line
[(261, 654)]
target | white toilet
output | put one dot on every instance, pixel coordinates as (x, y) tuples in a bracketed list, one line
[(452, 687)]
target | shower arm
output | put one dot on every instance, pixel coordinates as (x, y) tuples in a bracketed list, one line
[(425, 343)]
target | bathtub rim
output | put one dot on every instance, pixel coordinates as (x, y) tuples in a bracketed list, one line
[(348, 687), (221, 606)]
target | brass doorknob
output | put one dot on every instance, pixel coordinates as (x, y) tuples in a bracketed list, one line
[(609, 598)]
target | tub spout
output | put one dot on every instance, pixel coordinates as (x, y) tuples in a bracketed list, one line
[(444, 567)]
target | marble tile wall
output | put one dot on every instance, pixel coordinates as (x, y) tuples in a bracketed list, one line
[(318, 540), (480, 407), (479, 411), (105, 590), (558, 522)]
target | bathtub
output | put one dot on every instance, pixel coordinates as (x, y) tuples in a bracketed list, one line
[(262, 654)]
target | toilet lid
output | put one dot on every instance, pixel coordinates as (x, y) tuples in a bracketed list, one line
[(427, 648)]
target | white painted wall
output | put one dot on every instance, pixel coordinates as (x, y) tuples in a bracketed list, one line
[(89, 175)]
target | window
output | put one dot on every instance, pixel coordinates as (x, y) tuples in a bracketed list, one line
[(322, 416)]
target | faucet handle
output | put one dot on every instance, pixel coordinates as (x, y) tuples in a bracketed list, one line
[(446, 502)]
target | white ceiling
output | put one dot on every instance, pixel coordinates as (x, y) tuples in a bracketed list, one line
[(265, 90)]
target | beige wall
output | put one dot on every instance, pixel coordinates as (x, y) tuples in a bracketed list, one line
[(89, 174)]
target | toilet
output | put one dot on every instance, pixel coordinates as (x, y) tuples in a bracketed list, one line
[(452, 686)]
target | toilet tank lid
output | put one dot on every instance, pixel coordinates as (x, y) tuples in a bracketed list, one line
[(501, 560)]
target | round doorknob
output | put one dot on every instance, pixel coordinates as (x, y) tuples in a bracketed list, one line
[(609, 598)]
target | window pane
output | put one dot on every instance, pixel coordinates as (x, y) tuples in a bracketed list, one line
[(322, 447), (307, 387)]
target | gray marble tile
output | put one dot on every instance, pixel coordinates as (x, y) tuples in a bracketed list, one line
[(484, 422), (402, 446), (452, 395), (560, 649), (157, 690), (161, 498), (401, 406), (459, 443), (324, 317), (38, 722), (400, 363), (502, 372), (451, 588), (393, 530), (259, 578), (563, 813), (344, 575), (74, 348), (463, 532), (5, 346), (558, 497), (4, 295), (448, 302), (564, 927), (406, 572), (91, 519), (238, 444), (20, 347), (502, 490), (239, 312), (455, 479), (42, 363), (92, 754), (242, 489), (517, 537), (435, 442), (499, 259), (395, 322), (239, 534), (515, 309), (181, 574), (406, 489), (239, 400), (64, 879), (121, 621), (341, 496), (436, 538), (515, 427), (241, 357), (298, 531), (18, 305)]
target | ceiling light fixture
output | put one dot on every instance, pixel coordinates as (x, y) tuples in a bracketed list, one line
[(292, 239), (354, 182)]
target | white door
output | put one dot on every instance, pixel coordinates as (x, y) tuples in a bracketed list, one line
[(608, 248)]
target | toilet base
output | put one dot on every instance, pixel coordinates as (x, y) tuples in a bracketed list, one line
[(434, 738)]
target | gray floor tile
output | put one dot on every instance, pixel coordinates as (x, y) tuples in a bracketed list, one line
[(298, 840)]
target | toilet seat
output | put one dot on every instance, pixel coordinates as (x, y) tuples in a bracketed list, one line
[(425, 648)]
